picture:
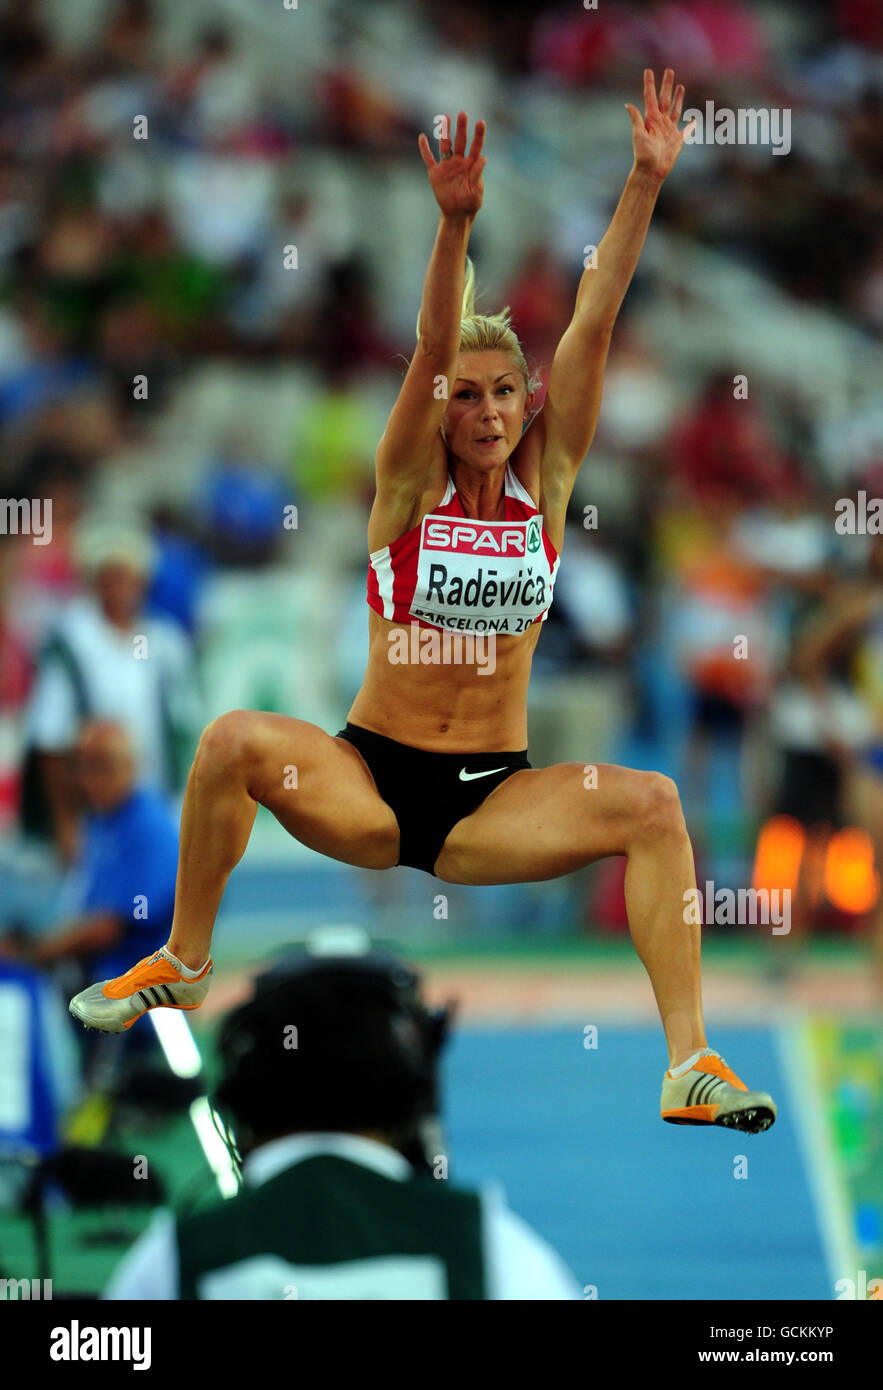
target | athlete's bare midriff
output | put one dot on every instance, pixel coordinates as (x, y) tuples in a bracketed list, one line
[(446, 707)]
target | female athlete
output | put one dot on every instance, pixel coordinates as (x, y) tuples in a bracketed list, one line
[(464, 537)]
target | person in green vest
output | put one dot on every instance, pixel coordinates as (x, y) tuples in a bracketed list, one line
[(329, 1096)]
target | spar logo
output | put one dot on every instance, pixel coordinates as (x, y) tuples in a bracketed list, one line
[(481, 538)]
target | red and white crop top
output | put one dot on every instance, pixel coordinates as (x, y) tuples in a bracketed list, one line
[(454, 572)]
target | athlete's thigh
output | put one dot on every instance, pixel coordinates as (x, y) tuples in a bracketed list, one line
[(542, 823), (319, 788)]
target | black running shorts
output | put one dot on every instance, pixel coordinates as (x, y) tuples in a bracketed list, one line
[(429, 792)]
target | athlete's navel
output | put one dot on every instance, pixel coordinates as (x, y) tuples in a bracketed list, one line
[(443, 728)]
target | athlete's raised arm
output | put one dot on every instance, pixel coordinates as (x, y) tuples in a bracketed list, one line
[(573, 400), (405, 450)]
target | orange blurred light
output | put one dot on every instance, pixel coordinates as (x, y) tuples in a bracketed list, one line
[(851, 883), (780, 847)]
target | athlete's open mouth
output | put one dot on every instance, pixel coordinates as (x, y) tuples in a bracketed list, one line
[(489, 439)]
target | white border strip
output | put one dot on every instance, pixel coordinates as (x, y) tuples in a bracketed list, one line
[(826, 1186)]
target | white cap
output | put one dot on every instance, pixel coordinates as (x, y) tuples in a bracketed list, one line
[(104, 540)]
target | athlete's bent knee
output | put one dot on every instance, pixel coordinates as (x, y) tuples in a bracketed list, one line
[(230, 743), (658, 811)]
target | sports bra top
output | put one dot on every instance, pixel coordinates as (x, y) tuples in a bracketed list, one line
[(454, 572)]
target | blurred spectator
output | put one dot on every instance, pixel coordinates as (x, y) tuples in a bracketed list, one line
[(105, 658), (579, 48), (639, 397), (278, 297), (24, 43), (120, 893), (127, 42), (724, 449), (134, 357), (181, 569), (347, 335), (220, 207), (866, 290), (828, 731), (353, 108), (832, 721), (714, 618), (866, 780), (859, 20), (594, 594), (243, 507), (331, 455), (47, 370), (818, 714), (217, 89), (15, 680), (75, 268), (541, 300), (176, 288), (42, 1083), (42, 577)]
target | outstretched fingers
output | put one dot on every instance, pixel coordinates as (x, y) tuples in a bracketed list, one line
[(460, 135), (456, 147), (636, 118), (477, 139), (444, 144), (464, 172), (444, 140), (656, 136), (651, 105), (668, 78), (428, 157)]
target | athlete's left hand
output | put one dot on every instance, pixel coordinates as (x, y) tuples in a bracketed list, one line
[(655, 136)]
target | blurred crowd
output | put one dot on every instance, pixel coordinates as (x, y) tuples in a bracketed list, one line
[(198, 341)]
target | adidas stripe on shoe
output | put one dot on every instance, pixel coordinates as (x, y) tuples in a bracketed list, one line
[(154, 983), (710, 1093)]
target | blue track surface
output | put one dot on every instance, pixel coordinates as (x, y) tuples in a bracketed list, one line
[(639, 1208)]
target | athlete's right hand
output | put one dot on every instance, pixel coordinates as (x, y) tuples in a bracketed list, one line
[(456, 182)]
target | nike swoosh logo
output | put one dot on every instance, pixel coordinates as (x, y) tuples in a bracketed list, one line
[(470, 776)]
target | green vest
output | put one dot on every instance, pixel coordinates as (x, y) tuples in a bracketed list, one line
[(329, 1228)]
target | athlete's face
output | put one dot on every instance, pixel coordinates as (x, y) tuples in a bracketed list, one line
[(486, 409)]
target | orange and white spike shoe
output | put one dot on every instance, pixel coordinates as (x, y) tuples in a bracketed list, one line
[(710, 1093), (154, 983)]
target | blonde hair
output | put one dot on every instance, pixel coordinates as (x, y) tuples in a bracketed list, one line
[(490, 332)]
